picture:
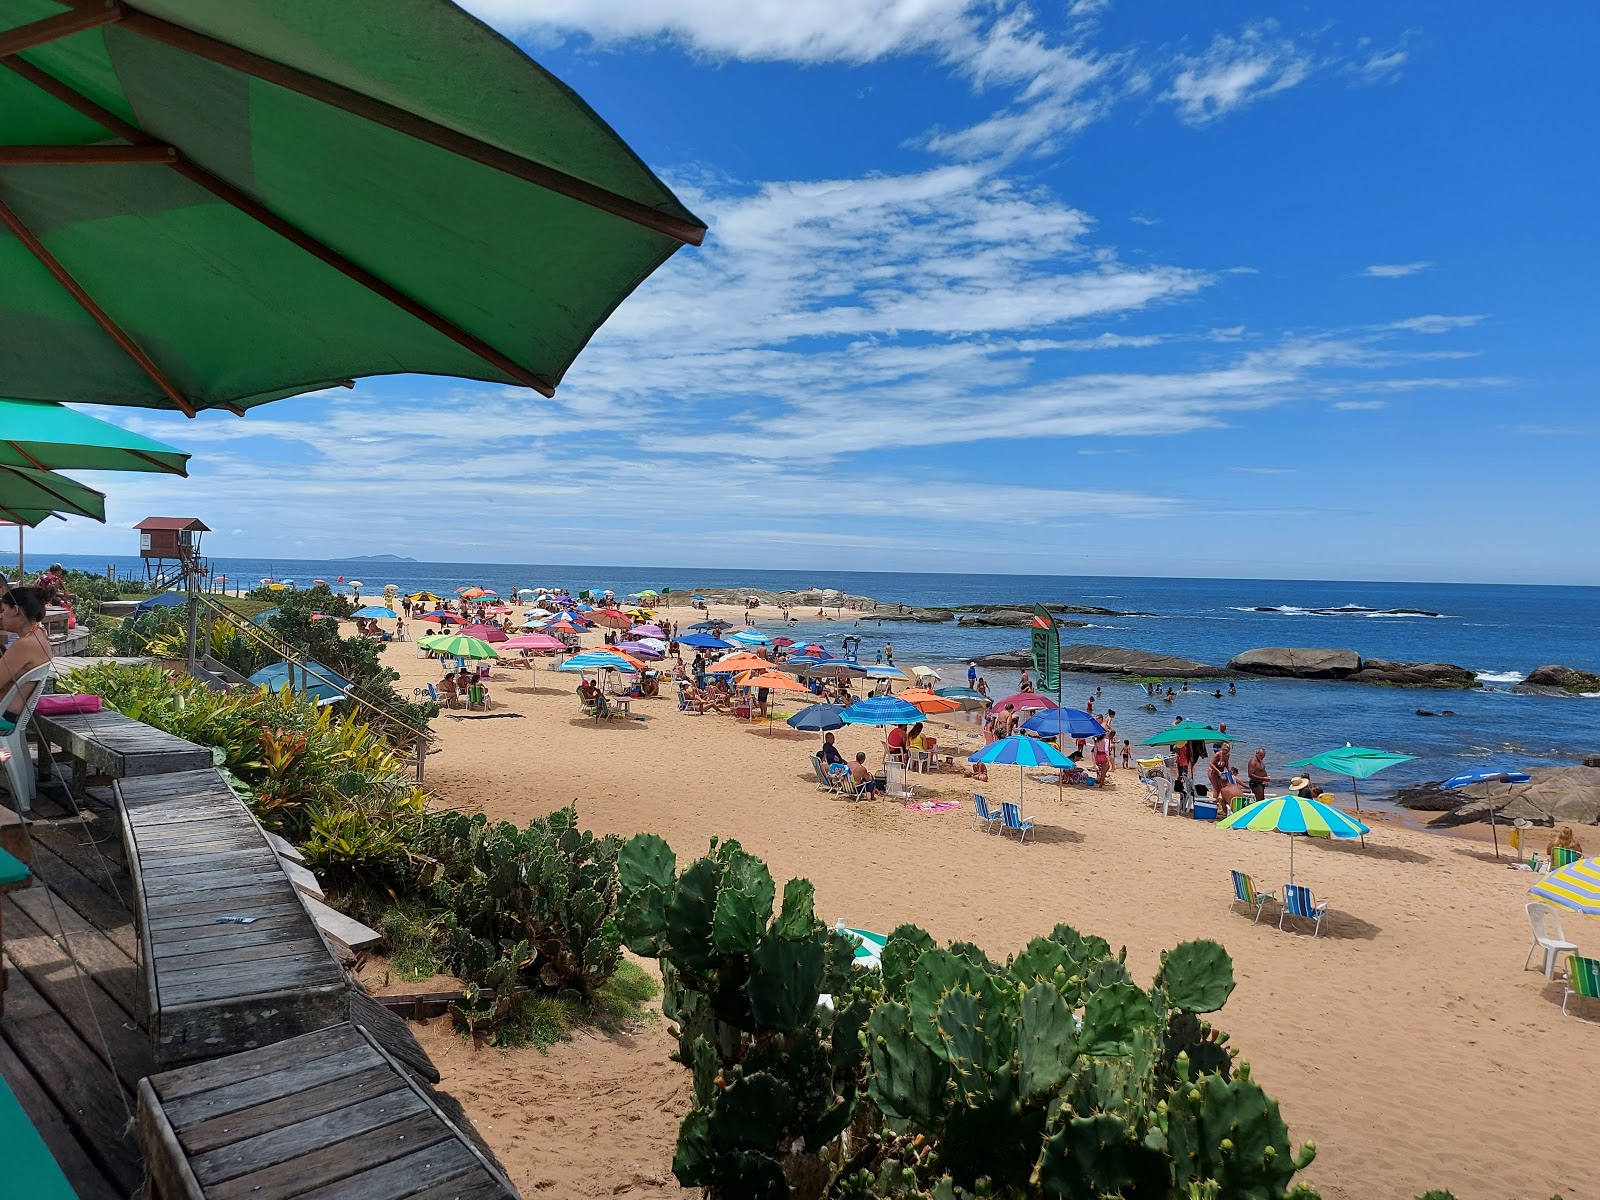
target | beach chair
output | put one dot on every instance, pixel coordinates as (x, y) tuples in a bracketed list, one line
[(1011, 818), (477, 696), (1562, 856), (1299, 902), (991, 817), (20, 775), (1583, 979), (1548, 934), (826, 781), (897, 781), (1244, 892), (856, 791), (1158, 790)]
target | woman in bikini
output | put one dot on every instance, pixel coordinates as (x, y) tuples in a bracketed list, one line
[(21, 611)]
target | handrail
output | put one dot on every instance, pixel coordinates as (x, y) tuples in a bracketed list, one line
[(298, 659)]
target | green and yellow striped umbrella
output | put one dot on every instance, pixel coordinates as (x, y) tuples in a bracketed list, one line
[(1294, 815), (457, 646)]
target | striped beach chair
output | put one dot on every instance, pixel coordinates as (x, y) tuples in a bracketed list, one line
[(1583, 979), (1011, 818), (1562, 856), (1244, 892), (1298, 902), (991, 817)]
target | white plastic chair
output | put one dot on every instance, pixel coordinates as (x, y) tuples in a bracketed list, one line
[(896, 781), (20, 775), (1158, 788), (1541, 917)]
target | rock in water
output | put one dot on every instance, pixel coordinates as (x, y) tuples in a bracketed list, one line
[(1114, 660), (1419, 675), (1298, 663), (1559, 680)]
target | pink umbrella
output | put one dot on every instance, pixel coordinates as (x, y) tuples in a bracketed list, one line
[(639, 650), (1023, 701), (533, 641), (485, 633)]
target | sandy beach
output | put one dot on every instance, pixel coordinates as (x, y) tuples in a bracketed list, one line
[(1406, 1041)]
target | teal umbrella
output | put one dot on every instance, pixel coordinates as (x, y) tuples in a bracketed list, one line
[(53, 437), (1188, 731), (1354, 762), (29, 495)]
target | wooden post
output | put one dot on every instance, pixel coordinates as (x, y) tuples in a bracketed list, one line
[(194, 620)]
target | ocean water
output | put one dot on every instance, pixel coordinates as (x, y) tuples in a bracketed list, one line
[(1500, 632)]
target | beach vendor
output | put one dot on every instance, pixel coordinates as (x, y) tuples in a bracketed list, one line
[(21, 611)]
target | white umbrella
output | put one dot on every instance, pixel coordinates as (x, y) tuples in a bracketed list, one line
[(926, 673)]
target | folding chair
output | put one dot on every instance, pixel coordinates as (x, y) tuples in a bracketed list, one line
[(1298, 902), (1244, 892), (991, 817), (1011, 818)]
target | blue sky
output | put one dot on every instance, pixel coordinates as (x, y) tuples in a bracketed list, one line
[(1157, 288)]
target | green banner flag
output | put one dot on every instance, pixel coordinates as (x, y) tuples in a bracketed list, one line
[(1046, 651)]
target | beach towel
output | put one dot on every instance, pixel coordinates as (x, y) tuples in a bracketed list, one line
[(932, 806)]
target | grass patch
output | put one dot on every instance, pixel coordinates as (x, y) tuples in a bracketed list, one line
[(409, 930), (542, 1021)]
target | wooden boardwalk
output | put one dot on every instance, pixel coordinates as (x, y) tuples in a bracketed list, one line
[(73, 1046), (118, 747)]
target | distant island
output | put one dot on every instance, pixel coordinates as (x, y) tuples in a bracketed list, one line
[(379, 558)]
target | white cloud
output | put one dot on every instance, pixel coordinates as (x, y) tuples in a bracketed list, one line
[(1395, 270), (1376, 65), (1359, 405), (1235, 72), (1436, 323)]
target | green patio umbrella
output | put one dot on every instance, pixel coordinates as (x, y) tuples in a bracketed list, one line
[(53, 437), (1188, 731), (28, 496), (215, 205), (1355, 763)]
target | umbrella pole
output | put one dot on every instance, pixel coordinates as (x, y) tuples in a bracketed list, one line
[(1291, 860), (1355, 786), (1494, 832)]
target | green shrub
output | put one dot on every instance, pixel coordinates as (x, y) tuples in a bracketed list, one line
[(945, 1074)]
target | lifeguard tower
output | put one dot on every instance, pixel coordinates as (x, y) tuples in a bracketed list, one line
[(170, 548)]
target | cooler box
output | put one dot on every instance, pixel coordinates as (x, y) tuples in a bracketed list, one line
[(1205, 810)]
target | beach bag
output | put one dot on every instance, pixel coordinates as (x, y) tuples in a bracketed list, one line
[(61, 706)]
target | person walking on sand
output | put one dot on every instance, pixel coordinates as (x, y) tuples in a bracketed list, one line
[(972, 675), (888, 653), (1257, 774)]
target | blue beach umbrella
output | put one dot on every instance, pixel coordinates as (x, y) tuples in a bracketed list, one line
[(880, 671), (264, 617), (1468, 778), (166, 600), (312, 680), (817, 718), (882, 710), (1024, 752), (704, 641), (750, 637), (375, 612), (598, 660), (1054, 722)]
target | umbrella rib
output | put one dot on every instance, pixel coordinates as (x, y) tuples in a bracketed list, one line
[(62, 25), (231, 195), (64, 277), (78, 156), (402, 121)]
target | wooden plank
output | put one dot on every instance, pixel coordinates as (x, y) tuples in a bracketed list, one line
[(169, 920), (245, 1123), (198, 779), (347, 931), (112, 968), (88, 899), (158, 884), (86, 1178), (208, 1029), (398, 1178), (207, 982), (293, 1144), (183, 861), (82, 1087), (391, 1035), (481, 1186), (229, 1085), (354, 1160), (240, 957), (224, 902), (172, 943), (174, 1085), (168, 1176), (282, 848), (302, 879), (99, 861)]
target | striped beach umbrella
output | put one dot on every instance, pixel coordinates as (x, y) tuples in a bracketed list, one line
[(1295, 816), (881, 710), (599, 660), (1575, 886), (455, 646), (869, 946), (1025, 752)]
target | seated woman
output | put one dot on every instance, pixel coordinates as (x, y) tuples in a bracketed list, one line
[(896, 742), (1564, 839), (591, 695), (21, 611), (448, 692)]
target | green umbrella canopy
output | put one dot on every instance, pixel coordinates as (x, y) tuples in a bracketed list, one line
[(28, 496), (1187, 731), (53, 437), (216, 205), (1356, 762)]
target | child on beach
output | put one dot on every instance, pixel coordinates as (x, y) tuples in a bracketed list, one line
[(1127, 754)]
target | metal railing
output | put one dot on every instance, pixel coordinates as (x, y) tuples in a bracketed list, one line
[(412, 738)]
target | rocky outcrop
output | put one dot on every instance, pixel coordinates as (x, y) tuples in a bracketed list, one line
[(1296, 663), (1005, 618), (1556, 680), (1109, 660), (1418, 675), (1077, 610)]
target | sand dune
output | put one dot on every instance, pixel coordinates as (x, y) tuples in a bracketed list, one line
[(1406, 1040)]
